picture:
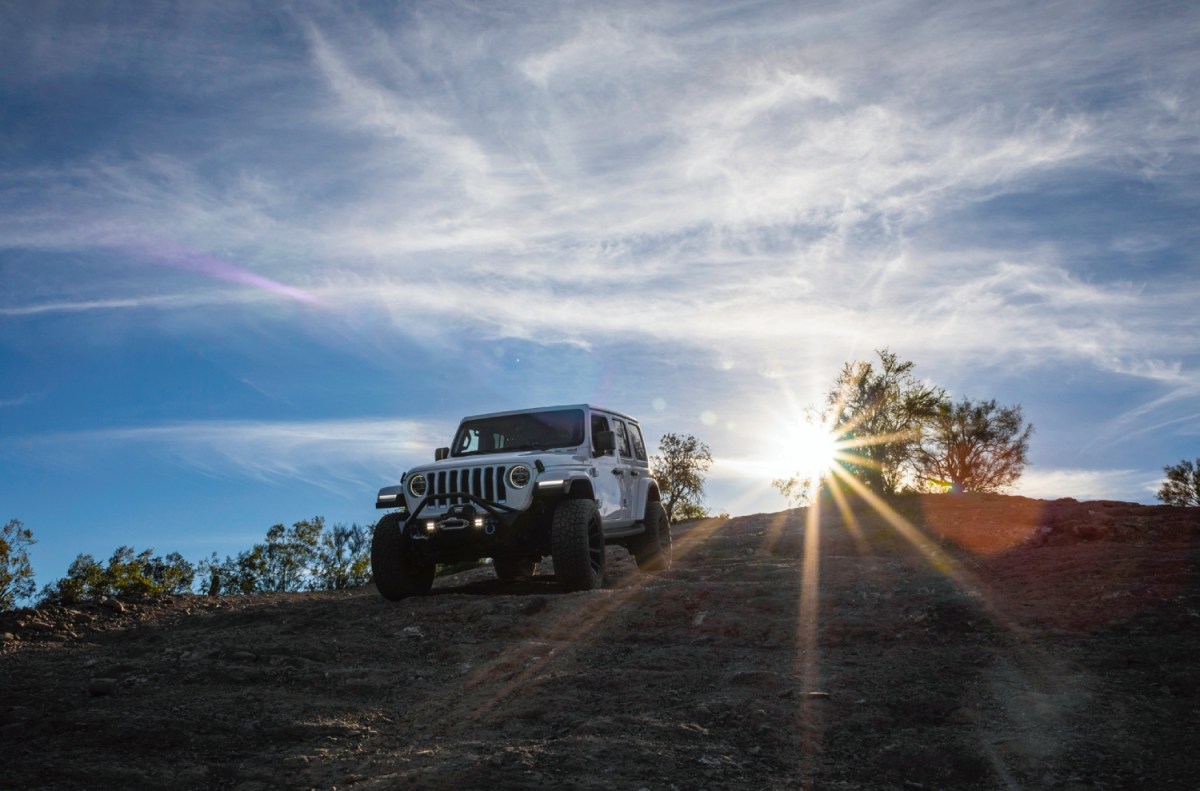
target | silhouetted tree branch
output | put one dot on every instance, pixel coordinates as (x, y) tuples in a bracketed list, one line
[(974, 446), (1182, 486)]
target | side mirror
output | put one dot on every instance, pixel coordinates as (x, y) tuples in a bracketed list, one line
[(605, 442), (441, 453)]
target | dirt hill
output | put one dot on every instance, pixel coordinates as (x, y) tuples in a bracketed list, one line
[(947, 642)]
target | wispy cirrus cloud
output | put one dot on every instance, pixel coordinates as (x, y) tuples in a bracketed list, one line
[(776, 187), (337, 455), (15, 402)]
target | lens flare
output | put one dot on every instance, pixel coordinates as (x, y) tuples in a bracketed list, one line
[(216, 268)]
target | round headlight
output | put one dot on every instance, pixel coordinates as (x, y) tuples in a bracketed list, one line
[(518, 476), (416, 486)]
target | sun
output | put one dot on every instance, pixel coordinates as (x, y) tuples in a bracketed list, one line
[(804, 450)]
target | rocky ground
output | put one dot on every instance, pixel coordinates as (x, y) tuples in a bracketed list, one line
[(974, 642)]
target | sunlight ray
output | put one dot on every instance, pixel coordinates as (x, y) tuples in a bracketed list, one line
[(585, 631), (1031, 667), (808, 646), (849, 520), (935, 555)]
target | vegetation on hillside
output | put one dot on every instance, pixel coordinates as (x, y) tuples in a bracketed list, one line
[(306, 556), (679, 468), (1182, 486), (16, 574), (892, 431), (897, 433)]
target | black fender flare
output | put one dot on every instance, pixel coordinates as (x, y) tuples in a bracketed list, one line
[(580, 489)]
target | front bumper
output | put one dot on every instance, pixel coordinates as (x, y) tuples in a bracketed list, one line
[(476, 528)]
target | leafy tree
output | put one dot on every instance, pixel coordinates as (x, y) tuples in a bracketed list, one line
[(127, 573), (290, 552), (283, 563), (241, 575), (172, 574), (679, 470), (974, 446), (1182, 486), (210, 575), (16, 573), (343, 559), (878, 415)]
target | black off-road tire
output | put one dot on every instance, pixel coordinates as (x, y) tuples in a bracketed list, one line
[(513, 569), (652, 549), (577, 545), (396, 574)]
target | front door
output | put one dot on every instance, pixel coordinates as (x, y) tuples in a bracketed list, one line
[(611, 476)]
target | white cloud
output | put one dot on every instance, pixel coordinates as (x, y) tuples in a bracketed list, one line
[(164, 302), (766, 185), (1085, 484)]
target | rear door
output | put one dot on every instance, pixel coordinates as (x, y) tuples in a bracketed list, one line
[(639, 471), (627, 469)]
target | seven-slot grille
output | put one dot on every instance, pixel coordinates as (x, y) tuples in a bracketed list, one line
[(485, 482)]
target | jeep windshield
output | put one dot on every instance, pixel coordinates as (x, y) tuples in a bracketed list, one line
[(560, 428)]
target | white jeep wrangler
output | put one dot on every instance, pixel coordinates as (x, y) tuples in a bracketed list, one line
[(517, 486)]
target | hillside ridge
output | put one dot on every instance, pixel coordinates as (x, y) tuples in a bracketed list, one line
[(969, 641)]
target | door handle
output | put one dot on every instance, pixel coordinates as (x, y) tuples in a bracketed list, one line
[(618, 472)]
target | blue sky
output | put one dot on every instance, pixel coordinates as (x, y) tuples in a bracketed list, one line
[(256, 260)]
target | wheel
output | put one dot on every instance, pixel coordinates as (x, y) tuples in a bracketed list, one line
[(652, 549), (394, 573), (513, 569), (577, 545)]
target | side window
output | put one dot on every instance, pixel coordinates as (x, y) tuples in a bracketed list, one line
[(599, 423), (639, 447), (622, 438), (469, 442)]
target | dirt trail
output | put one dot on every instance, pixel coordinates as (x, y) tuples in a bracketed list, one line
[(945, 643)]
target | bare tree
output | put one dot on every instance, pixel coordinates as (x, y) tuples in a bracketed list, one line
[(974, 446), (1182, 486), (679, 470)]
